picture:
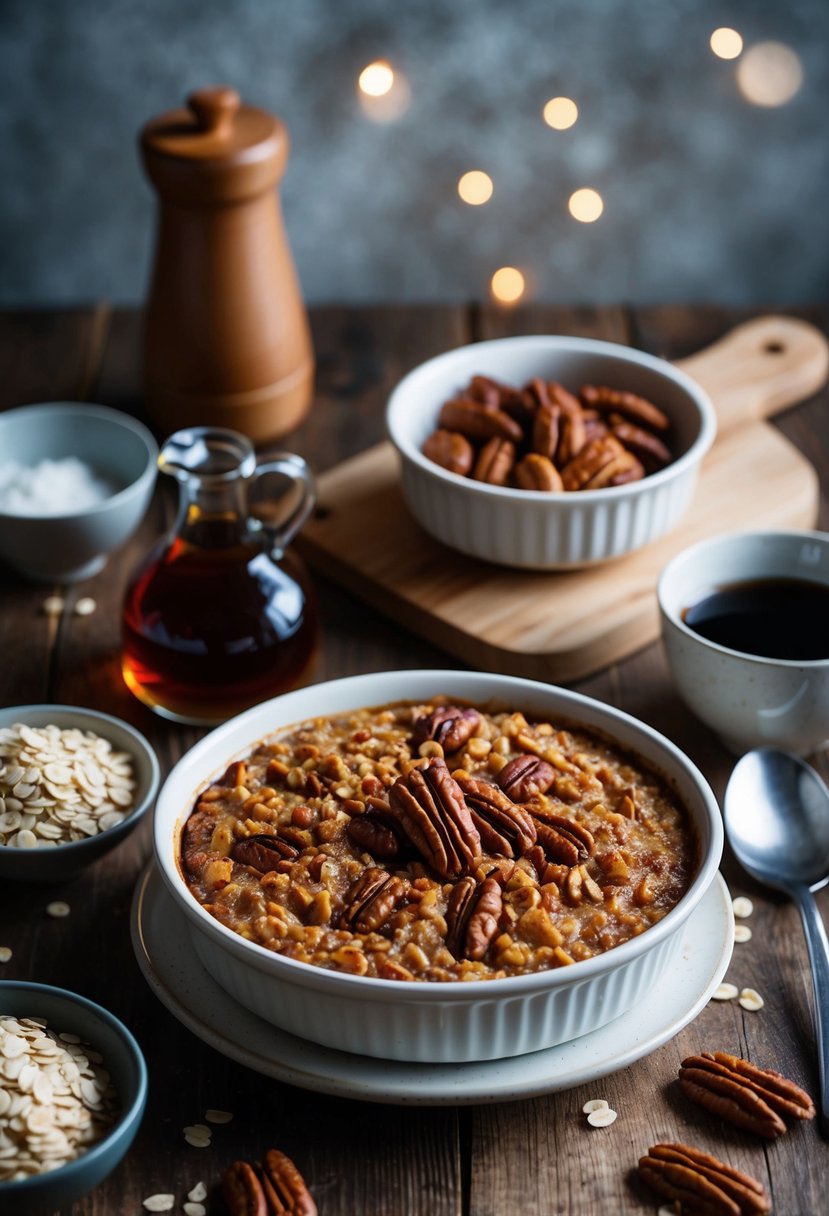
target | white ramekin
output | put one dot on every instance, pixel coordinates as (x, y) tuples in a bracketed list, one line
[(529, 528), (749, 700), (412, 1020)]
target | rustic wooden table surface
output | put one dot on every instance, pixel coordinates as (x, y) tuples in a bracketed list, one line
[(529, 1156)]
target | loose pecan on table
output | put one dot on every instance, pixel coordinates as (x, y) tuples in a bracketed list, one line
[(701, 1183), (472, 915), (741, 1093), (430, 807), (449, 726), (505, 829), (242, 1191), (276, 1189)]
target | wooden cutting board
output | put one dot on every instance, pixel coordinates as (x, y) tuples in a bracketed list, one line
[(562, 626)]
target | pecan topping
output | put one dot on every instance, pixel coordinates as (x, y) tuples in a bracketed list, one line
[(524, 777), (702, 1183), (563, 840), (477, 422), (741, 1093), (285, 1187), (375, 832), (263, 853), (242, 1191), (449, 726), (627, 404), (430, 806), (494, 462), (504, 828), (472, 916), (450, 450), (371, 899)]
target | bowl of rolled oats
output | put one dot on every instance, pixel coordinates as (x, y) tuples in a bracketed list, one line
[(74, 783), (546, 452), (436, 865), (73, 1087)]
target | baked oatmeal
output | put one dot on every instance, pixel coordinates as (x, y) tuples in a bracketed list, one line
[(438, 841)]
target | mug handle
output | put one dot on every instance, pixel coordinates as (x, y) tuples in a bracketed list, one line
[(288, 464)]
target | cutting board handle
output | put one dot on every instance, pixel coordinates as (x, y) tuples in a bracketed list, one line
[(761, 367)]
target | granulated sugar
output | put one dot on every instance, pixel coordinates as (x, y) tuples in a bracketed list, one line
[(52, 487)]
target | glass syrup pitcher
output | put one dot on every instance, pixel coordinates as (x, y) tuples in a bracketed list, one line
[(219, 617)]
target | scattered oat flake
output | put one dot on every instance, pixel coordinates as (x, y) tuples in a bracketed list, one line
[(725, 992), (58, 908), (668, 1209), (160, 1203), (194, 1209), (85, 606), (197, 1141), (5, 953), (595, 1104), (198, 1129), (53, 605), (750, 999), (602, 1118), (218, 1116), (742, 906), (742, 933), (198, 1192)]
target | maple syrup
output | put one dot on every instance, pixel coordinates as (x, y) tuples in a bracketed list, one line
[(219, 617)]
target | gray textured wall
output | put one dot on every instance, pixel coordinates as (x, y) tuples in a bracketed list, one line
[(706, 196)]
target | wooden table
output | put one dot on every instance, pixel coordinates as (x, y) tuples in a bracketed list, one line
[(531, 1156)]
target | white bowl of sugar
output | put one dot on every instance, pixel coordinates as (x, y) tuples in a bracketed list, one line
[(75, 483)]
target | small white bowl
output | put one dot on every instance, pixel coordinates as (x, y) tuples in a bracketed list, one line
[(445, 1021), (529, 528), (74, 544), (748, 700)]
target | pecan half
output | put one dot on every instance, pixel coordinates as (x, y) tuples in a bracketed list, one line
[(242, 1191), (472, 916), (285, 1187), (525, 776), (702, 1183), (449, 726), (748, 1097), (495, 461), (621, 469), (374, 831), (504, 828), (263, 853), (477, 422), (430, 806), (589, 461), (536, 472), (628, 404), (371, 899), (563, 840), (648, 447), (546, 425), (450, 450)]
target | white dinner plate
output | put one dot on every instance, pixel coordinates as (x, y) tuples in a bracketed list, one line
[(168, 961)]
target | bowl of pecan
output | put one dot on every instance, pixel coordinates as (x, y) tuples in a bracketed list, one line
[(436, 865), (548, 452)]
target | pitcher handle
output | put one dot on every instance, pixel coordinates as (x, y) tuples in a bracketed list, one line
[(288, 464)]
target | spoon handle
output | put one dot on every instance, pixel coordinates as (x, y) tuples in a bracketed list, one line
[(818, 945)]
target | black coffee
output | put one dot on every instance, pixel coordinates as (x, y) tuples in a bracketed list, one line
[(775, 618)]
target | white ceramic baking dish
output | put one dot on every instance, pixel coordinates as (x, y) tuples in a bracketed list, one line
[(412, 1020), (530, 528)]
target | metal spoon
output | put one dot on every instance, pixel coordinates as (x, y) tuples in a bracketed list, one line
[(777, 821)]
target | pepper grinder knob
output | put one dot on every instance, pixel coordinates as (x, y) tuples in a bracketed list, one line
[(215, 108)]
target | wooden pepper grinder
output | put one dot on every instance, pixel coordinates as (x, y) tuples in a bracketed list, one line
[(227, 340)]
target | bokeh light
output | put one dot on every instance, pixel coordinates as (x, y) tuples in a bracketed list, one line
[(475, 187), (560, 113), (585, 205), (376, 79), (507, 285), (769, 74), (726, 43), (383, 91)]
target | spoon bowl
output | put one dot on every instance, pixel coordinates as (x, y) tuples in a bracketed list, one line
[(777, 822)]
